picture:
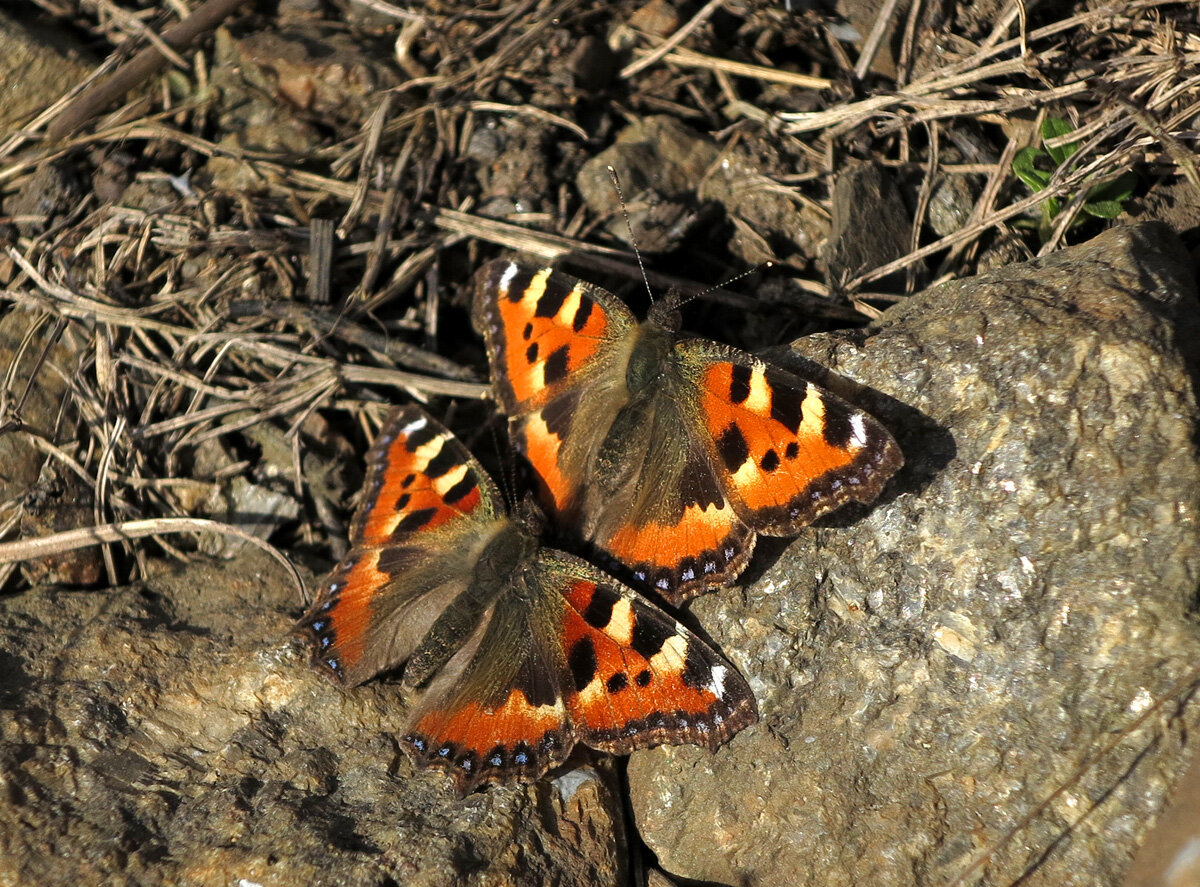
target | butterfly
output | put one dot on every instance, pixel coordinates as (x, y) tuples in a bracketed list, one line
[(665, 456), (519, 651)]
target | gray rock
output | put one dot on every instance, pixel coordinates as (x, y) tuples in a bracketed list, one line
[(870, 225), (170, 734), (932, 672)]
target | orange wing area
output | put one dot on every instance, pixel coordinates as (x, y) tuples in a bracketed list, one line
[(790, 451), (540, 445), (475, 744), (708, 546), (541, 328), (420, 478), (338, 622), (638, 678)]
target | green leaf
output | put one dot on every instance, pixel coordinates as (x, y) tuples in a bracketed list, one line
[(1107, 200), (1120, 188), (1053, 128), (1104, 209), (1025, 168)]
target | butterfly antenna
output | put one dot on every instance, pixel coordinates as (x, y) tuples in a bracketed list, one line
[(632, 238), (762, 266)]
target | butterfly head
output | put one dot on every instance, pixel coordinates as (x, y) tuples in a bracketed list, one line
[(665, 312), (529, 516)]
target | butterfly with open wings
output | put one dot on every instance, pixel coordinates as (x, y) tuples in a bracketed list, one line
[(520, 651), (666, 456)]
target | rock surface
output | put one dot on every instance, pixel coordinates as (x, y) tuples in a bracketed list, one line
[(932, 672), (170, 734)]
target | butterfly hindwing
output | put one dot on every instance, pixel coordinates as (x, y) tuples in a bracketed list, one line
[(665, 519), (635, 676), (495, 713), (572, 656)]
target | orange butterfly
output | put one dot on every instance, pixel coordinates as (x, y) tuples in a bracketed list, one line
[(521, 651), (669, 456)]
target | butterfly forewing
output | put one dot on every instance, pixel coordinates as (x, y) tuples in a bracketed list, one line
[(789, 451), (545, 331), (424, 498)]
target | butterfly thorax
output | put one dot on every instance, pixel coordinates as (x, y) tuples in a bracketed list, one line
[(648, 358), (613, 470), (504, 558)]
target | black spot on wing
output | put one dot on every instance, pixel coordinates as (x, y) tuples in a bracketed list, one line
[(552, 299), (650, 630), (582, 313), (461, 490), (599, 609), (527, 332), (786, 402), (444, 461), (408, 479), (793, 450), (837, 430), (420, 436), (643, 678), (697, 670), (732, 447), (617, 682), (531, 353), (414, 520), (555, 368), (518, 284), (739, 385), (582, 662), (770, 461)]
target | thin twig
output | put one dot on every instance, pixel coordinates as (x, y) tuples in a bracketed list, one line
[(125, 531), (103, 92), (674, 40)]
